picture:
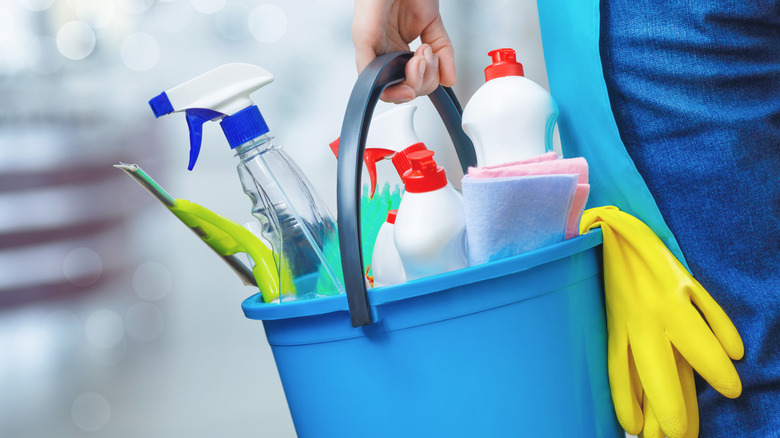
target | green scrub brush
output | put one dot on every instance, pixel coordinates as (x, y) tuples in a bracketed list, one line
[(373, 212)]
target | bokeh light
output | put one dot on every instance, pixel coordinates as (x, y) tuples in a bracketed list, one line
[(173, 16), (152, 281), (90, 412), (208, 6), (140, 51), (75, 40), (268, 23), (82, 267), (104, 328), (135, 6), (231, 21), (144, 322), (46, 59), (96, 13), (37, 5), (64, 328), (6, 24)]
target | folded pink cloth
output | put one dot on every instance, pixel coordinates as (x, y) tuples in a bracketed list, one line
[(547, 164)]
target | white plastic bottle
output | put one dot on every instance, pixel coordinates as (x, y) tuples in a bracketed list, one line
[(430, 229), (391, 136), (385, 261), (509, 118)]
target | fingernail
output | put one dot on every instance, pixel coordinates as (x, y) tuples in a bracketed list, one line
[(422, 68)]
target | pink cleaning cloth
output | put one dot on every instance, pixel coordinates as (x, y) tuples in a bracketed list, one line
[(547, 164)]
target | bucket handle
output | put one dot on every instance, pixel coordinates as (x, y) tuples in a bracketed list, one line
[(385, 70)]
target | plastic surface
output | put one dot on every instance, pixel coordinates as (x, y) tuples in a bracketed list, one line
[(392, 135), (217, 94), (294, 220), (511, 348), (424, 175), (650, 301), (430, 228), (509, 118), (504, 64), (385, 262), (383, 71), (586, 124)]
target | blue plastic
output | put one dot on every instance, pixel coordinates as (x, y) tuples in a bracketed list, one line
[(243, 126), (570, 35), (516, 347), (161, 105)]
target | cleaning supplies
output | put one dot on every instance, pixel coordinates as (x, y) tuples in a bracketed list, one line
[(547, 164), (430, 228), (386, 264), (294, 220), (392, 136), (511, 215), (510, 117), (655, 306)]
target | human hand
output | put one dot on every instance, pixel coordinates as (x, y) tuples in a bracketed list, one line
[(384, 26)]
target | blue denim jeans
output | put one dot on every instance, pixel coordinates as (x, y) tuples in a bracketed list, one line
[(695, 89)]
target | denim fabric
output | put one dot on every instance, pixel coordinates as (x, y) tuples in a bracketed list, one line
[(695, 89)]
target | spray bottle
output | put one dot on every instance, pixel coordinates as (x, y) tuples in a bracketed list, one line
[(509, 118), (430, 228), (293, 219), (391, 136)]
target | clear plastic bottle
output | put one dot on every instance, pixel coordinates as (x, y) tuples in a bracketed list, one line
[(293, 219)]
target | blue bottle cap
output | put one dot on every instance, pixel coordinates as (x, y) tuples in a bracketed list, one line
[(243, 126)]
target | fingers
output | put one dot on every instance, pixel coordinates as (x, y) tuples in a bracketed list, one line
[(657, 369), (689, 394), (369, 26), (694, 340), (627, 408), (719, 322), (422, 77), (651, 429), (436, 36)]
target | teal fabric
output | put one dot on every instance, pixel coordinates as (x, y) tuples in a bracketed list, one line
[(570, 36)]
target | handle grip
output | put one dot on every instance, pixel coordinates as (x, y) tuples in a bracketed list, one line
[(385, 70)]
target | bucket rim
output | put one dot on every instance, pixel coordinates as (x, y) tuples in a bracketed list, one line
[(255, 308)]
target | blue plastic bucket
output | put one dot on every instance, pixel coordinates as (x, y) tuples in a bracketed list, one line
[(515, 347)]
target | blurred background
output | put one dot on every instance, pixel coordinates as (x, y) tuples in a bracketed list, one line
[(115, 320)]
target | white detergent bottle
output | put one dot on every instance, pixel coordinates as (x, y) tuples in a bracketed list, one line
[(510, 117), (430, 229), (385, 261), (390, 136)]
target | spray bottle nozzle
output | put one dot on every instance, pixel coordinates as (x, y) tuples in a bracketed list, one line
[(217, 94), (370, 158)]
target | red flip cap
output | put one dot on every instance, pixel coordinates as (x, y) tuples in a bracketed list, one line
[(391, 216), (504, 64), (425, 175)]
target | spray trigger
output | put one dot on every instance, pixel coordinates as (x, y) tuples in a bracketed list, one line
[(196, 117), (370, 157)]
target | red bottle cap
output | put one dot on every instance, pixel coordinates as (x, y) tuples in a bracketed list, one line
[(504, 64), (401, 160), (425, 175), (391, 216)]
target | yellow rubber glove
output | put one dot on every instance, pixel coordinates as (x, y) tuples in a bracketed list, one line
[(651, 428), (650, 301)]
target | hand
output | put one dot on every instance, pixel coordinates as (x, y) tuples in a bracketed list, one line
[(384, 26)]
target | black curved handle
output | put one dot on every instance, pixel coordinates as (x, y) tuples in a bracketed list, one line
[(383, 71)]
